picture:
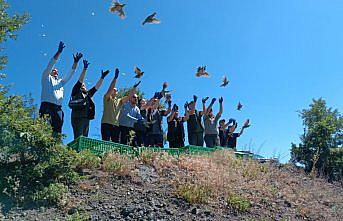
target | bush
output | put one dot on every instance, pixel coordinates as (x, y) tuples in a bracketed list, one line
[(87, 160), (238, 203), (118, 164), (55, 193), (195, 193), (32, 159)]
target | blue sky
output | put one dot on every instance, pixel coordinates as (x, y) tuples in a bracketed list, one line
[(278, 55)]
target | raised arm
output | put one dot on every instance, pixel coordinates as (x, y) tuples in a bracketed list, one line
[(77, 58), (172, 115), (220, 107), (131, 92), (186, 116), (53, 60), (112, 85), (203, 104), (210, 106), (84, 71), (101, 79)]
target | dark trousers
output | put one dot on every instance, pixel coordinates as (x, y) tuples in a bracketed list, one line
[(196, 138), (54, 113), (155, 140), (211, 140), (125, 137), (177, 143), (80, 126), (141, 138), (110, 132)]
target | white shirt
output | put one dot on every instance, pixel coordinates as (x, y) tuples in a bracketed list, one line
[(52, 88)]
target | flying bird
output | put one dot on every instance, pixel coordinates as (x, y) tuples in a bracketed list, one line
[(138, 72), (246, 123), (239, 106), (117, 7), (225, 82), (151, 19), (202, 72)]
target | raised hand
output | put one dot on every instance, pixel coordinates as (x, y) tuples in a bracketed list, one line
[(61, 46), (116, 74), (104, 73), (221, 100), (213, 100), (195, 98), (186, 105), (204, 100), (77, 57), (85, 64), (169, 104), (175, 107), (136, 85)]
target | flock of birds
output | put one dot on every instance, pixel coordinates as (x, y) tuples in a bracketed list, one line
[(118, 8)]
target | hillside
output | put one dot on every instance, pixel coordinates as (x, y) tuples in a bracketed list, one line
[(189, 187)]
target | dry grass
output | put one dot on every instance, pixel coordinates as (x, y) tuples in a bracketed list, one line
[(248, 185), (118, 164)]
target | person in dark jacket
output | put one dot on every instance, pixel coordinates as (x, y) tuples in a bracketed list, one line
[(155, 118), (82, 105), (141, 126), (176, 132), (232, 136), (195, 127)]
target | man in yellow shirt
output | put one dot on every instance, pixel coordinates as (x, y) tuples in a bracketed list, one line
[(112, 106)]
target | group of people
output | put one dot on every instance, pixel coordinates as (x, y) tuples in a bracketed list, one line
[(126, 119)]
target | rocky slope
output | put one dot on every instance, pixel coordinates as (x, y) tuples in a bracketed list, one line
[(216, 187)]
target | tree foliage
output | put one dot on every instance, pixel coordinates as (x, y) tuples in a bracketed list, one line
[(9, 25), (33, 163), (320, 149)]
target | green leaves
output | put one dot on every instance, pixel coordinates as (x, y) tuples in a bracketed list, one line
[(323, 132)]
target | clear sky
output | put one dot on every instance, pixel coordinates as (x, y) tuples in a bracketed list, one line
[(278, 55)]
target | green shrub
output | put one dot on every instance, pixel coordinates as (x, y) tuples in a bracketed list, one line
[(118, 164), (87, 160), (238, 203), (77, 217), (195, 193), (55, 193), (31, 157)]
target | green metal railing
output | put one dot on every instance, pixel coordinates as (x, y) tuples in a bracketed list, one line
[(100, 147)]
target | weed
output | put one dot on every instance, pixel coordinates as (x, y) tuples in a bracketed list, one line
[(87, 160), (238, 203), (194, 193), (55, 193), (77, 217), (118, 164)]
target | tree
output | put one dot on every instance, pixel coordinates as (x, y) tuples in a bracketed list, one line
[(9, 25), (320, 150), (34, 165)]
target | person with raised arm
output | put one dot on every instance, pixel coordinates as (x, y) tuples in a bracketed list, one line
[(176, 132), (195, 128), (129, 114), (112, 105), (211, 124), (52, 90), (81, 103), (155, 118), (232, 136)]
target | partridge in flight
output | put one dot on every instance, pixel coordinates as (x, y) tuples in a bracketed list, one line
[(151, 19), (117, 7)]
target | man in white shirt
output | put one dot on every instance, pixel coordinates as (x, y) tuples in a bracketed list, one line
[(52, 90)]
